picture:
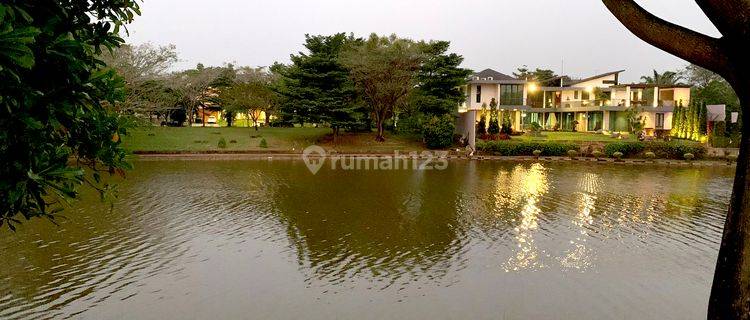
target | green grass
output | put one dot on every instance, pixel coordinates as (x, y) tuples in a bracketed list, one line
[(196, 139), (572, 137), (292, 140)]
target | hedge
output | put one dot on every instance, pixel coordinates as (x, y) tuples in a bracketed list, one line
[(675, 149), (628, 149), (662, 149), (526, 148)]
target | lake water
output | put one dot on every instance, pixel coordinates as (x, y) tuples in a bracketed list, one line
[(266, 239)]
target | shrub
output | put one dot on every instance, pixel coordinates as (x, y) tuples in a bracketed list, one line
[(495, 137), (506, 127), (494, 127), (626, 148), (689, 156), (660, 149), (537, 153), (617, 155), (222, 143), (572, 154), (525, 148), (438, 132), (675, 149), (263, 143), (731, 158), (597, 154), (650, 155), (482, 126), (410, 124)]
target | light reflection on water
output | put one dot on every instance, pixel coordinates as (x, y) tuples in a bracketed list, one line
[(260, 239)]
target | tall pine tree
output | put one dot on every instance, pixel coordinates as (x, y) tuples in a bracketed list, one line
[(439, 80), (317, 88)]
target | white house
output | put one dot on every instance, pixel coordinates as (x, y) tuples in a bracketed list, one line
[(594, 104)]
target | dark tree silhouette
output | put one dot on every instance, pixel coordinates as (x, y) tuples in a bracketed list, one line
[(727, 56)]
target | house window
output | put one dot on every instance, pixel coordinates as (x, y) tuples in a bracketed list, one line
[(659, 121), (585, 95), (479, 94), (575, 95), (511, 94)]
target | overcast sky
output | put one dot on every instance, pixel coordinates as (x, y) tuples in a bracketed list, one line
[(498, 34)]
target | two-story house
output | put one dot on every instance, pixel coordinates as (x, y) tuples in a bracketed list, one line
[(595, 104)]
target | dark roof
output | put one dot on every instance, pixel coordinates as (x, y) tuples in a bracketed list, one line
[(573, 82), (489, 73)]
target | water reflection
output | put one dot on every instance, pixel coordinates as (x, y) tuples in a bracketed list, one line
[(387, 227), (205, 239), (525, 185)]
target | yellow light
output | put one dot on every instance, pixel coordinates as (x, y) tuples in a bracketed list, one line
[(590, 89), (533, 87)]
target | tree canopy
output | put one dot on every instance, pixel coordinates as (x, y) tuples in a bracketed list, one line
[(384, 71), (439, 80), (316, 87), (53, 85), (534, 75), (664, 78)]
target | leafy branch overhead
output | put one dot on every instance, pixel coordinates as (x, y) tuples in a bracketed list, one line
[(55, 90)]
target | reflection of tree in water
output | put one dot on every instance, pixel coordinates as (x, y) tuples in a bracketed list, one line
[(386, 226), (99, 251)]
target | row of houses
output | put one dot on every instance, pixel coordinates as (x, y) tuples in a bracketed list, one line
[(595, 104)]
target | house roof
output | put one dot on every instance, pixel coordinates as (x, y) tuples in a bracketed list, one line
[(574, 82), (492, 76)]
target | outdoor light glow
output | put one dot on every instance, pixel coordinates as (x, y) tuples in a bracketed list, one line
[(533, 87), (590, 89)]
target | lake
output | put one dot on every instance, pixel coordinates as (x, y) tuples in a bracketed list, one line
[(260, 239)]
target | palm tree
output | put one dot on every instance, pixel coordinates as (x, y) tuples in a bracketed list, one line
[(666, 78)]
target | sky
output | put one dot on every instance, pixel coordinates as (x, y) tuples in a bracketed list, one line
[(579, 38)]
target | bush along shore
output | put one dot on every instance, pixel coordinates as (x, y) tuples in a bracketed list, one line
[(626, 149)]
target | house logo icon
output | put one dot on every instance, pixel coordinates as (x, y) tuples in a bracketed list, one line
[(314, 158)]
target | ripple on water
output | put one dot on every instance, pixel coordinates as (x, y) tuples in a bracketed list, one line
[(581, 241)]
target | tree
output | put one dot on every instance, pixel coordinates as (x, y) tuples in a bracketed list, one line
[(316, 87), (494, 126), (383, 70), (439, 80), (55, 92), (507, 127), (536, 75), (667, 78), (143, 67), (193, 87), (726, 56), (252, 98)]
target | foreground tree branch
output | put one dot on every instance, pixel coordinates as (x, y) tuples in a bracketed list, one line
[(702, 50), (729, 16)]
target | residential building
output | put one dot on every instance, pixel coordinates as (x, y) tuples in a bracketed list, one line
[(595, 104)]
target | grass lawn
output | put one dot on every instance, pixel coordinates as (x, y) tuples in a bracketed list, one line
[(292, 140), (572, 137)]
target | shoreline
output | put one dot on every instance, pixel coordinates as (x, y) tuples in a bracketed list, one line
[(271, 155)]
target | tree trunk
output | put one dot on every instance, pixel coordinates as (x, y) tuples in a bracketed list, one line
[(190, 116), (380, 137), (730, 293)]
